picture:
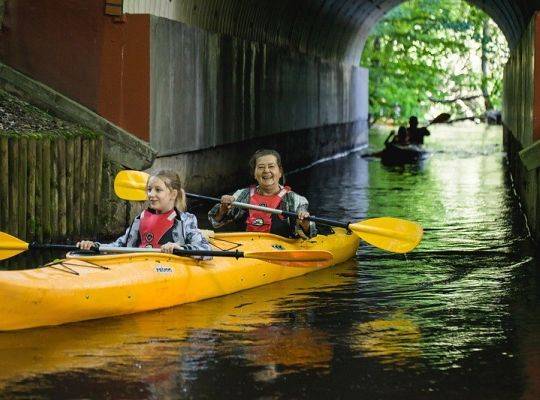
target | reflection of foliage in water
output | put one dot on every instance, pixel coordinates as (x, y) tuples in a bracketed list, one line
[(454, 284)]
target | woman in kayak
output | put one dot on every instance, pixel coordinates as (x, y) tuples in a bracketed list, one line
[(266, 168), (164, 224)]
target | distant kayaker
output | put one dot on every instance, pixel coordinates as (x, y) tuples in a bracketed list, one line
[(266, 168), (164, 224), (416, 134), (401, 138)]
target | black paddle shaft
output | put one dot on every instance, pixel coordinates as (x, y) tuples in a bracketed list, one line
[(209, 253), (48, 246), (96, 249), (322, 221)]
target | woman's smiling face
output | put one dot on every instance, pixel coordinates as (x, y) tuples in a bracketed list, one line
[(161, 197), (267, 172)]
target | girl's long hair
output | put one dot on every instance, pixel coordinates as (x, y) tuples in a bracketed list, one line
[(173, 182)]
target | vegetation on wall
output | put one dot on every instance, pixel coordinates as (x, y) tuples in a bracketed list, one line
[(428, 56), (20, 119)]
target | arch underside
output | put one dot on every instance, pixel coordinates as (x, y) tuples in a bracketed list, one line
[(330, 29)]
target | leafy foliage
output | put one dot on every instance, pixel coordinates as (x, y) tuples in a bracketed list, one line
[(428, 56)]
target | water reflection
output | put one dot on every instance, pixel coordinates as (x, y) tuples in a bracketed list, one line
[(395, 339), (184, 338)]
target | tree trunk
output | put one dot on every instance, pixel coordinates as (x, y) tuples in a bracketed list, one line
[(484, 85)]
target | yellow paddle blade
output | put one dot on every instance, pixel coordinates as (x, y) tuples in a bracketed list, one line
[(131, 185), (294, 258), (391, 234), (11, 246)]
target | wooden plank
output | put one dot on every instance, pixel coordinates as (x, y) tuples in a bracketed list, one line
[(54, 191), (61, 165), (13, 189), (31, 198), (46, 189), (22, 186), (83, 173), (39, 190), (98, 179), (4, 183), (77, 193), (92, 184), (70, 168)]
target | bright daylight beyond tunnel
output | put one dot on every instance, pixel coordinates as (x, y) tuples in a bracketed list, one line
[(426, 57)]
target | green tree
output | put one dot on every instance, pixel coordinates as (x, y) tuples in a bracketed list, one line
[(428, 55)]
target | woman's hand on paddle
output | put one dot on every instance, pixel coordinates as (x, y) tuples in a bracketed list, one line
[(225, 206), (85, 244), (226, 202), (304, 223)]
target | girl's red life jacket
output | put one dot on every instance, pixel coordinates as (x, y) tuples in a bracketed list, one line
[(260, 221), (153, 226)]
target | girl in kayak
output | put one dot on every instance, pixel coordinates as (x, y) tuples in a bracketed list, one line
[(164, 224), (265, 165)]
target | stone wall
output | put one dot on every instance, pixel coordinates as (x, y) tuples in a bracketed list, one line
[(225, 168), (210, 90)]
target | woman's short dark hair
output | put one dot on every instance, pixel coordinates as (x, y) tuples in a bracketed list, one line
[(262, 153)]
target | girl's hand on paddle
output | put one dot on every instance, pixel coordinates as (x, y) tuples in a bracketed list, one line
[(85, 244), (170, 247)]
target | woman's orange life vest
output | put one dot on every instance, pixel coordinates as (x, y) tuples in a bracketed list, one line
[(260, 221), (154, 226)]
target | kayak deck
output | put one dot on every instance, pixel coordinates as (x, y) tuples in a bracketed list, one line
[(87, 287)]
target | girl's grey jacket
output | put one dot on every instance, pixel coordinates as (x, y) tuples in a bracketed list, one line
[(185, 233)]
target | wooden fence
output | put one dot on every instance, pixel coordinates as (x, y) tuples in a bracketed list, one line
[(50, 188)]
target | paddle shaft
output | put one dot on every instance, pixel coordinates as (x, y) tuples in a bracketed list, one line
[(204, 253), (322, 221)]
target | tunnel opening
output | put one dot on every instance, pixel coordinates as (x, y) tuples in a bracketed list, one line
[(429, 57)]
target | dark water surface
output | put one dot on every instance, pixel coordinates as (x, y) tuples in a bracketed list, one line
[(456, 319)]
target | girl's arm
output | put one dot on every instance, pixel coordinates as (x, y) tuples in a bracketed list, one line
[(120, 242), (195, 240)]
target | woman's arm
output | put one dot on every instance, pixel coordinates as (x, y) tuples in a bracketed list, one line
[(218, 219), (299, 205)]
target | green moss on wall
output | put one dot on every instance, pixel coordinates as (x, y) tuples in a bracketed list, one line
[(19, 118)]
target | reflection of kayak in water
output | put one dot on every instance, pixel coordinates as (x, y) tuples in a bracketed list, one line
[(397, 154), (159, 339)]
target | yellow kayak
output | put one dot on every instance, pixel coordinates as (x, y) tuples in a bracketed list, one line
[(80, 288)]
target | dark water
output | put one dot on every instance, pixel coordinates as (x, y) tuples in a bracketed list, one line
[(456, 319)]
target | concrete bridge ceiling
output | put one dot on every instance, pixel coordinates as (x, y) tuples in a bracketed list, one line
[(331, 29)]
